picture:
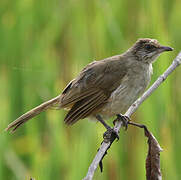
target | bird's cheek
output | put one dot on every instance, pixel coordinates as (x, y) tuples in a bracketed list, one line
[(155, 56)]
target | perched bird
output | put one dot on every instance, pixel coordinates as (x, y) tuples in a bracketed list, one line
[(104, 88)]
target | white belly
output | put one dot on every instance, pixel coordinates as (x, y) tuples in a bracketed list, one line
[(120, 100)]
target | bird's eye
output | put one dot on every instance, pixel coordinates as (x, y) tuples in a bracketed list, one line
[(149, 47)]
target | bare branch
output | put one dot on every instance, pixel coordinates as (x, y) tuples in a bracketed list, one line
[(104, 146)]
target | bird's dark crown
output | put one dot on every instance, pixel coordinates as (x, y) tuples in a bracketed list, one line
[(147, 43)]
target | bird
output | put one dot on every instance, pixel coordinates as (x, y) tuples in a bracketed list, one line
[(104, 88)]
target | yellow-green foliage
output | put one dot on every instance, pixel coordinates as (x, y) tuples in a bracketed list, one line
[(43, 45)]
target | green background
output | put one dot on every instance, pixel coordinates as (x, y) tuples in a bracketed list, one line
[(43, 45)]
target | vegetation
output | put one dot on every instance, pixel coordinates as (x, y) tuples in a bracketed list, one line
[(43, 45)]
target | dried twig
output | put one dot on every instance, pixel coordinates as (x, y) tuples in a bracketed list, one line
[(106, 145)]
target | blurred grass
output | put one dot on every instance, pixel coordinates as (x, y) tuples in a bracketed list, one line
[(43, 45)]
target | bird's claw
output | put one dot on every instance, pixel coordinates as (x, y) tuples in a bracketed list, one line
[(125, 120), (110, 135)]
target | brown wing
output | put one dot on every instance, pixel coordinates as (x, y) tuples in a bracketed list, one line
[(92, 88), (86, 107), (74, 95)]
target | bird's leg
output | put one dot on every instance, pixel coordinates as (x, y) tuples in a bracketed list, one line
[(110, 134), (99, 118), (124, 119)]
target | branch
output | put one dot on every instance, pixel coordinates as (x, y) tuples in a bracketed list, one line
[(106, 145)]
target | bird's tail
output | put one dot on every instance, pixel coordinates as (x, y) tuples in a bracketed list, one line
[(30, 114)]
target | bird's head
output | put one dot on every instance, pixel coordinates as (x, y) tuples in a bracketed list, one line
[(148, 50)]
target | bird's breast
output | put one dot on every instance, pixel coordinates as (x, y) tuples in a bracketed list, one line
[(131, 87)]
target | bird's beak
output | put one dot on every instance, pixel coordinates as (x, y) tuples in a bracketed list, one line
[(165, 48)]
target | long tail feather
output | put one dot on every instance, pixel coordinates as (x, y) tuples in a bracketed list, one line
[(30, 114)]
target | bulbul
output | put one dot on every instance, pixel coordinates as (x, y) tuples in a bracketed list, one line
[(104, 88)]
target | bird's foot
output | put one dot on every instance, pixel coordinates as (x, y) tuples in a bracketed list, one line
[(124, 119), (110, 135)]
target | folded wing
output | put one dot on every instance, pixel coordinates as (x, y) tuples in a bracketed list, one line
[(89, 92)]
